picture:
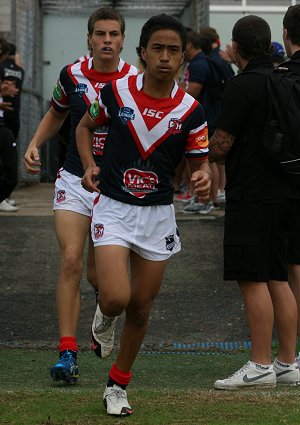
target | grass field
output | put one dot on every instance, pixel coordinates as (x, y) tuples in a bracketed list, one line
[(165, 389)]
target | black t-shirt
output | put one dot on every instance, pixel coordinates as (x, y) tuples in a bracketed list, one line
[(250, 176), (294, 65), (12, 72)]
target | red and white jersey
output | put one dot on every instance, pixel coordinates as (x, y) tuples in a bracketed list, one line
[(147, 138), (78, 86), (83, 58)]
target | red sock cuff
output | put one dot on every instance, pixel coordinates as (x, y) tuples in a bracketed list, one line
[(119, 377), (67, 343)]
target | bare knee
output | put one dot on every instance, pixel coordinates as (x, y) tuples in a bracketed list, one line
[(71, 265)]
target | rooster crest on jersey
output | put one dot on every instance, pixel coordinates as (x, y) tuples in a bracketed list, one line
[(175, 125), (126, 114)]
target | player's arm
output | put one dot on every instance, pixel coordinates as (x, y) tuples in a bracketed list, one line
[(219, 146), (194, 89), (84, 141), (48, 127)]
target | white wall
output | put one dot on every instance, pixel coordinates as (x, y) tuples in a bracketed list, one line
[(224, 22), (64, 40)]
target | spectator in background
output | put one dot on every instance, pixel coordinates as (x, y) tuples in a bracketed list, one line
[(277, 53), (8, 151), (206, 79), (218, 170), (10, 71)]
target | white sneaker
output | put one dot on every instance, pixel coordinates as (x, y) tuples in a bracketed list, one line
[(221, 197), (11, 201), (250, 375), (6, 207), (206, 208), (192, 207), (103, 334), (286, 375), (115, 401)]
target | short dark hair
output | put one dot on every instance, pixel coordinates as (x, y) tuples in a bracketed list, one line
[(253, 36), (210, 33), (105, 14), (291, 22), (156, 23), (199, 41), (4, 46)]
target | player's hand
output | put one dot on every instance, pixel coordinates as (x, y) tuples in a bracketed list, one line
[(201, 182), (32, 161), (90, 181)]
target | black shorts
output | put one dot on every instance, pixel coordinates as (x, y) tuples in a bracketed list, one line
[(294, 233), (255, 241)]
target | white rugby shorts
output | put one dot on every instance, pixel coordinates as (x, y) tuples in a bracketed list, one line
[(150, 231), (70, 195)]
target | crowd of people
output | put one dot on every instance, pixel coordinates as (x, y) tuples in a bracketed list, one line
[(137, 136)]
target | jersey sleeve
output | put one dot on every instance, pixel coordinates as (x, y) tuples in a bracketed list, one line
[(197, 140), (98, 111), (60, 98)]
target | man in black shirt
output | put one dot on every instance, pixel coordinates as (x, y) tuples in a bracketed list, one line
[(291, 39), (10, 71), (257, 207)]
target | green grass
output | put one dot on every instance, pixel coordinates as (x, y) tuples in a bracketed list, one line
[(165, 389)]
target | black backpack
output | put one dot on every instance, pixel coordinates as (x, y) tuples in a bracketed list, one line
[(281, 137), (224, 74)]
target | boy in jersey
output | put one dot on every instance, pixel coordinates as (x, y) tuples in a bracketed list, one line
[(152, 125), (76, 89)]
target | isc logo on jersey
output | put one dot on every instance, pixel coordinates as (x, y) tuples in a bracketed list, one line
[(153, 113), (138, 183)]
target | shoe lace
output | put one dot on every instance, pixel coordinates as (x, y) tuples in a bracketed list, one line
[(104, 325), (119, 393), (241, 370)]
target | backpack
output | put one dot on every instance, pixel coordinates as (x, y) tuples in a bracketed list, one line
[(224, 74), (281, 136)]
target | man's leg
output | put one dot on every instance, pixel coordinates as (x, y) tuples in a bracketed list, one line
[(294, 282), (71, 231), (260, 318)]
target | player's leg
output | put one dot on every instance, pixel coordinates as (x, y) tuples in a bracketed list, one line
[(146, 279), (71, 230)]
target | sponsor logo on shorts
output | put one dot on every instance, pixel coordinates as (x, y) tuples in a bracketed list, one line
[(60, 196), (170, 242), (126, 114), (175, 125), (81, 88), (98, 230), (139, 183)]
